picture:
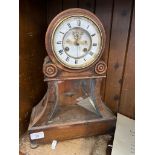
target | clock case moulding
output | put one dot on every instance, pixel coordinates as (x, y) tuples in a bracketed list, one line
[(72, 106)]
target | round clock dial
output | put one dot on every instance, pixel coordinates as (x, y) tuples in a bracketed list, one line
[(76, 42)]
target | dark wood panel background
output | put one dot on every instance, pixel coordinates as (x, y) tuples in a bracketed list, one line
[(31, 54), (118, 19)]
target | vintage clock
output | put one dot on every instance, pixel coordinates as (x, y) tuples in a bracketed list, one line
[(74, 70)]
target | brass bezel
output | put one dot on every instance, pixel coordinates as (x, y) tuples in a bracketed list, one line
[(52, 44)]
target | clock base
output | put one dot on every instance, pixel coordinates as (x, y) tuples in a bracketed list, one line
[(85, 124), (73, 112)]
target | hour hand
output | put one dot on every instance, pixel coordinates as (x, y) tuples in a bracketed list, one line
[(84, 42), (70, 42)]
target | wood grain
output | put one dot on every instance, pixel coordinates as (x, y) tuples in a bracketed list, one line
[(87, 4), (31, 53), (76, 131), (119, 37), (67, 4), (60, 117), (104, 11), (127, 101), (53, 8)]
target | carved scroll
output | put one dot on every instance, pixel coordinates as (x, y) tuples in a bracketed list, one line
[(100, 67)]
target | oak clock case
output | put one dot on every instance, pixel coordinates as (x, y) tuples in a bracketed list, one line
[(72, 106)]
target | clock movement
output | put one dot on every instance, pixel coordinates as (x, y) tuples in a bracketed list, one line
[(72, 106)]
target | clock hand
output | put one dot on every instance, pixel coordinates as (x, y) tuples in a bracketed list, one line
[(70, 42), (77, 49), (82, 42)]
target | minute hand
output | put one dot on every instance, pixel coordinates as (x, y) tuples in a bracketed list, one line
[(82, 42), (77, 45)]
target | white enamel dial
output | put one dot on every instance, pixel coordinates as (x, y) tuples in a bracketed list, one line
[(76, 42)]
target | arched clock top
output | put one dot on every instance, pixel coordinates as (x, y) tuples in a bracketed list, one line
[(75, 40)]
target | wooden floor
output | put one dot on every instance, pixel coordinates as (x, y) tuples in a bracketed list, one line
[(95, 145)]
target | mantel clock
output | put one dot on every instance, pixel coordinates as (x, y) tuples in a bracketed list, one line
[(72, 106)]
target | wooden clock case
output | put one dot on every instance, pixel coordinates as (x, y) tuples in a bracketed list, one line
[(72, 106)]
